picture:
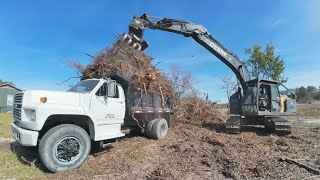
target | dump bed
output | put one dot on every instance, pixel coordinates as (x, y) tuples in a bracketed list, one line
[(139, 101)]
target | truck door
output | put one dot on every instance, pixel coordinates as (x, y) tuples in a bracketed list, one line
[(107, 110), (117, 105), (99, 105)]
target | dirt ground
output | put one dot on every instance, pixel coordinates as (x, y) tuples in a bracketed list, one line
[(199, 152)]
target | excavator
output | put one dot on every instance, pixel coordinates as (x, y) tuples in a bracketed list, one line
[(256, 101)]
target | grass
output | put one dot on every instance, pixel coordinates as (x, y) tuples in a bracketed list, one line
[(5, 121), (15, 166), (309, 112), (16, 162)]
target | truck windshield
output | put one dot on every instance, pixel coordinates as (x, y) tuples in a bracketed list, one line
[(84, 86)]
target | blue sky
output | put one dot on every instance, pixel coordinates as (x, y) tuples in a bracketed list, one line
[(37, 38)]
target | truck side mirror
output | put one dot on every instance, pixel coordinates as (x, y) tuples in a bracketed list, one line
[(111, 89)]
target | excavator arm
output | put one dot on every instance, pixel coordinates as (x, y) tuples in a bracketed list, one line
[(243, 105), (188, 29)]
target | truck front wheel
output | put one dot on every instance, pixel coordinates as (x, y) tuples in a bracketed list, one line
[(64, 147)]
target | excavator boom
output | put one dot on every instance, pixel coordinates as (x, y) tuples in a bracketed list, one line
[(188, 29)]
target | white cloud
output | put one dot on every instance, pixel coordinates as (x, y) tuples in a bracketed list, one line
[(276, 22)]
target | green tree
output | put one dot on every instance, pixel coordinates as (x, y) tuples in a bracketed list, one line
[(264, 63), (311, 88), (302, 94)]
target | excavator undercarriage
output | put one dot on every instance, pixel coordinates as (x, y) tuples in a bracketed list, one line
[(273, 125)]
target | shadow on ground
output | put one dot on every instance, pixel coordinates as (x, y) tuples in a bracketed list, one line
[(220, 127), (27, 155)]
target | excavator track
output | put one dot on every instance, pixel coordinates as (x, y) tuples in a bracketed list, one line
[(277, 125), (233, 125)]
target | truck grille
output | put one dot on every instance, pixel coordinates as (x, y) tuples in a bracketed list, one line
[(17, 106)]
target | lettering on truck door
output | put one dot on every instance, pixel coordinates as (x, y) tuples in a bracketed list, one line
[(117, 110)]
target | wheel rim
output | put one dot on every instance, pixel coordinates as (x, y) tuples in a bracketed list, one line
[(67, 149), (162, 129)]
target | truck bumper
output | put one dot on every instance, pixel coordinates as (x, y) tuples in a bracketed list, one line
[(23, 136)]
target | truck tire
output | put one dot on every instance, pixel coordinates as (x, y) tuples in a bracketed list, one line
[(64, 147), (148, 130), (159, 129)]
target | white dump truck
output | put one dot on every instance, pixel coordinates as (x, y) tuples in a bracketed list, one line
[(64, 125)]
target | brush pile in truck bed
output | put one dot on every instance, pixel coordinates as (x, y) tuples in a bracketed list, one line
[(137, 65)]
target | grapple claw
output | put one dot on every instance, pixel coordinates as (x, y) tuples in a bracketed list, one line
[(126, 38), (136, 46), (134, 41)]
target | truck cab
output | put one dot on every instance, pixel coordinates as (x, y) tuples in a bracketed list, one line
[(63, 124), (87, 101)]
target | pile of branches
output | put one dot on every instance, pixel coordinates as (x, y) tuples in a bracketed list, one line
[(138, 65), (135, 64), (197, 111)]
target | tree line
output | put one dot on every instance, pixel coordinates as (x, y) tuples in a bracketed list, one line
[(307, 94), (266, 64)]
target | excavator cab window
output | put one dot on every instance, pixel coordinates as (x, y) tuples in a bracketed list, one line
[(269, 98), (264, 97), (275, 98)]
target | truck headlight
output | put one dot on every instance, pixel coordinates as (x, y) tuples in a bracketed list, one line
[(33, 115)]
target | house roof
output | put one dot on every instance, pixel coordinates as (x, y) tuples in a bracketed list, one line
[(9, 85)]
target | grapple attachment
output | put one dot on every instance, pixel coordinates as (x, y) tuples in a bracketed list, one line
[(136, 27), (134, 41), (134, 37)]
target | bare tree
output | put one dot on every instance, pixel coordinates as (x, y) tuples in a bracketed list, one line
[(182, 82), (229, 84)]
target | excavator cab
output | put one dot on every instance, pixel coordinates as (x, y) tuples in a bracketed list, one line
[(262, 104), (263, 98), (271, 100)]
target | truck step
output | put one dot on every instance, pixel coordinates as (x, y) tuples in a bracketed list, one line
[(126, 131), (104, 144)]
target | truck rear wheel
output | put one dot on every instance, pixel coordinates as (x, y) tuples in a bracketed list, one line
[(157, 129), (64, 147)]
